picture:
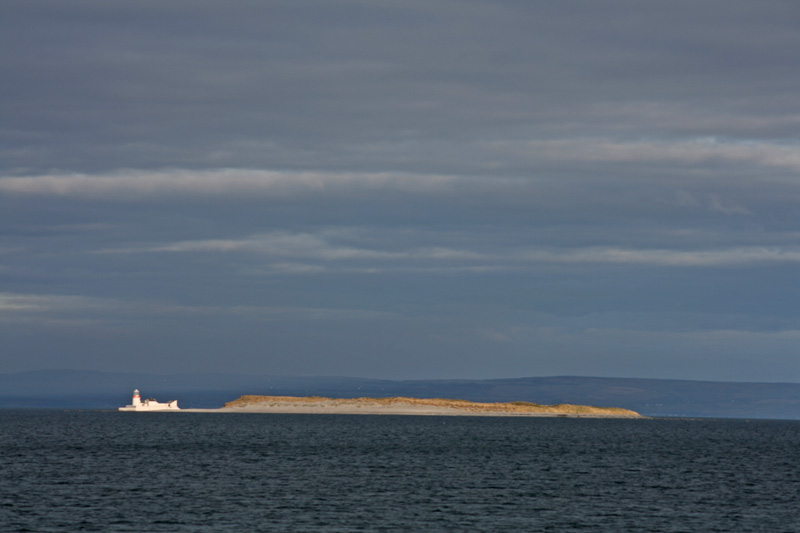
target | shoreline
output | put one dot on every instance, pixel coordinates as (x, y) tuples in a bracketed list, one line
[(431, 412)]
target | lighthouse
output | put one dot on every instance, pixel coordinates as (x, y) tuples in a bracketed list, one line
[(149, 404)]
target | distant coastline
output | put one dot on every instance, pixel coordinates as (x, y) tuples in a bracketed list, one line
[(78, 389), (411, 406)]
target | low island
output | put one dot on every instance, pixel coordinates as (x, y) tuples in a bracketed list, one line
[(412, 406)]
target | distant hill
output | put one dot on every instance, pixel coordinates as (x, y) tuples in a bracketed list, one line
[(652, 397)]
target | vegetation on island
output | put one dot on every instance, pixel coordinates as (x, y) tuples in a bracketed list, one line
[(441, 403)]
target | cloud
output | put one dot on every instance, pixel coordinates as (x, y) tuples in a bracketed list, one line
[(711, 201), (57, 310), (677, 258), (137, 184), (729, 208), (292, 251), (14, 303), (702, 151), (524, 166), (303, 246)]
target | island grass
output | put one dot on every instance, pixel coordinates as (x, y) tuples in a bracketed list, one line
[(459, 405)]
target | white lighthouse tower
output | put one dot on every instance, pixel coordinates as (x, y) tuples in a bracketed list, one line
[(136, 401)]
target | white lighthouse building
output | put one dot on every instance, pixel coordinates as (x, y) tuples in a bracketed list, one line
[(150, 404)]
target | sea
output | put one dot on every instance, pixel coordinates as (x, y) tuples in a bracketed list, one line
[(173, 472)]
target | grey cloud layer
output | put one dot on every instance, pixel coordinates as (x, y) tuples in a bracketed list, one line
[(312, 84), (401, 189)]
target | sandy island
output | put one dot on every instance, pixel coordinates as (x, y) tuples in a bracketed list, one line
[(410, 406)]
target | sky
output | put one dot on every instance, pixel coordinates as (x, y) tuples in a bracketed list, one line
[(401, 189)]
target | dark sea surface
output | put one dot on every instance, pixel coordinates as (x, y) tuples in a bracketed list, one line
[(152, 472)]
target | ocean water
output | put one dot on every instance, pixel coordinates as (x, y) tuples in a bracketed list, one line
[(171, 472)]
